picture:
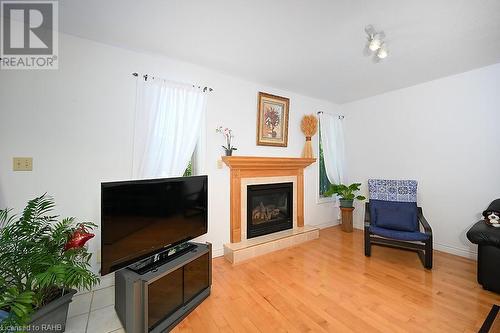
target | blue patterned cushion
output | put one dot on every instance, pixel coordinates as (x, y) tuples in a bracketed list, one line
[(393, 190), (402, 216), (399, 235)]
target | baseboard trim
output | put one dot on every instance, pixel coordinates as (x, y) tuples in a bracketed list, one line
[(325, 225), (456, 251), (217, 252)]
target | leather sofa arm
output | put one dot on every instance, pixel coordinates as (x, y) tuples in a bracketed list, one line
[(483, 234)]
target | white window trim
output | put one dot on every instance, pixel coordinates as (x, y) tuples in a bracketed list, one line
[(323, 200)]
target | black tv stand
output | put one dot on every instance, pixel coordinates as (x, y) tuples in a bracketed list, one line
[(161, 258), (160, 298)]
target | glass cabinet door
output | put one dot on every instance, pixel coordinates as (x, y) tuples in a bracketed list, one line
[(164, 296), (195, 277)]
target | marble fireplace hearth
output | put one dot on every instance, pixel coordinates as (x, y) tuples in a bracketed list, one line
[(264, 173)]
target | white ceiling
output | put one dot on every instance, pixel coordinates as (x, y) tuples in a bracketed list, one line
[(312, 47)]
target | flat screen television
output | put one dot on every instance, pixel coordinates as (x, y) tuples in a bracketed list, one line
[(142, 218)]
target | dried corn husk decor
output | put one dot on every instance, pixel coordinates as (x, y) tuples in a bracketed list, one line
[(309, 126)]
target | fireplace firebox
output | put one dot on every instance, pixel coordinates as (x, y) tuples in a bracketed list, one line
[(269, 208)]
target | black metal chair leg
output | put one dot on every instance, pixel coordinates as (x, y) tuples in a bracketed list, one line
[(428, 253), (368, 245)]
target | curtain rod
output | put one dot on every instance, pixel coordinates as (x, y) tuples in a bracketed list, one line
[(145, 76), (341, 116)]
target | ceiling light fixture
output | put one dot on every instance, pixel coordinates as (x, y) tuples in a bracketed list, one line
[(382, 52), (376, 43)]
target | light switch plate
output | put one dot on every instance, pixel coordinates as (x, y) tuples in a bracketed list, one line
[(220, 164), (22, 164)]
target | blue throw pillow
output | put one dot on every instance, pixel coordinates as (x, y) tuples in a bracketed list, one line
[(395, 219), (394, 215)]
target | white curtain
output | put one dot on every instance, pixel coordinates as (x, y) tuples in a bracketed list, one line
[(332, 141), (167, 127)]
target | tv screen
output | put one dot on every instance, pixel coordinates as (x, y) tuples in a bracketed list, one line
[(144, 217)]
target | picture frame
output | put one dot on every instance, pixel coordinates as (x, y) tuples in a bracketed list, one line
[(272, 120)]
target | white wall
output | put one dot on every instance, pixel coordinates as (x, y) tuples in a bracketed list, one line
[(443, 133), (77, 124)]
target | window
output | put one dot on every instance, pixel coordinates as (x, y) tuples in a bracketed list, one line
[(196, 163), (180, 110), (193, 169), (324, 183), (189, 170)]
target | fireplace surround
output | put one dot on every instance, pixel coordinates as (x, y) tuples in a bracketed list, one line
[(252, 167), (269, 208), (272, 172)]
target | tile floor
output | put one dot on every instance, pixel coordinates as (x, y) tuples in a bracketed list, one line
[(94, 312)]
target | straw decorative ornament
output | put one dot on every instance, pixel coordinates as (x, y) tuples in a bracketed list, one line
[(309, 126)]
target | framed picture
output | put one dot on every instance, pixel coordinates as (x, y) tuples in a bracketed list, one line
[(272, 120)]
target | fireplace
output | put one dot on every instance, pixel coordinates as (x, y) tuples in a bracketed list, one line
[(269, 208)]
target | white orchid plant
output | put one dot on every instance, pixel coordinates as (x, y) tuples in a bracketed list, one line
[(228, 135)]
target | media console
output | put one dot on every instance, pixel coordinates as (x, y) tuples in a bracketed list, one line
[(159, 299)]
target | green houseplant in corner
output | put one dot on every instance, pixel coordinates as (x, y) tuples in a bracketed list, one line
[(346, 194), (42, 262)]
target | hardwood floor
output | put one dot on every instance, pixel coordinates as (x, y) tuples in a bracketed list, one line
[(328, 285)]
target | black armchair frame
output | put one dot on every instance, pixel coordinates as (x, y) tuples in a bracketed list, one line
[(423, 248)]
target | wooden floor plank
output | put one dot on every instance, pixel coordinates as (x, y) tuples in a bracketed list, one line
[(328, 285)]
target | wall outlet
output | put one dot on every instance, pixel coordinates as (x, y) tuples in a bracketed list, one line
[(220, 164), (23, 164)]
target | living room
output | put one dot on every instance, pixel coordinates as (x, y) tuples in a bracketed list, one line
[(406, 93)]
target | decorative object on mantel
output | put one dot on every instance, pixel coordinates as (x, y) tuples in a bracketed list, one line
[(309, 126), (272, 120), (346, 195), (228, 135)]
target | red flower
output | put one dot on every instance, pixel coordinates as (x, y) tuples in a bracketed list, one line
[(78, 238)]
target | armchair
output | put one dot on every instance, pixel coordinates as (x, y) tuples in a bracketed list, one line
[(392, 218)]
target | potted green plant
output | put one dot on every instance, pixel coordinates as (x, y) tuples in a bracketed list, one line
[(42, 262), (346, 194)]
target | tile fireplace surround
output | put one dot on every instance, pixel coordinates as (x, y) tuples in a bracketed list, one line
[(245, 171)]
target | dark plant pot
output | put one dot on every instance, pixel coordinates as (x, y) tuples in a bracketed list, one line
[(51, 318), (229, 152), (346, 203)]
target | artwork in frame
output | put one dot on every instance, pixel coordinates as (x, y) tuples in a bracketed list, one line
[(272, 120)]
